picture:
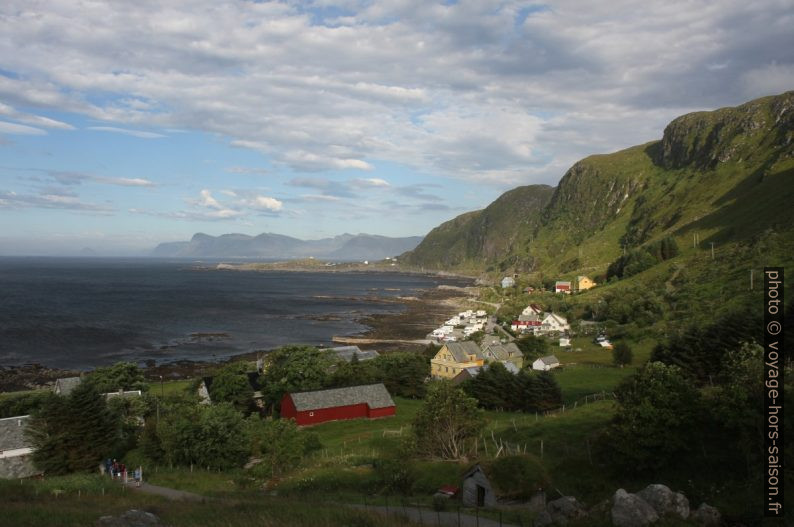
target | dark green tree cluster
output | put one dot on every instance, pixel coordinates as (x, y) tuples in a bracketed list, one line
[(230, 385), (280, 444), (205, 435), (653, 425), (638, 260), (496, 388), (296, 369), (622, 354), (700, 350), (74, 433), (532, 346), (24, 403), (120, 376)]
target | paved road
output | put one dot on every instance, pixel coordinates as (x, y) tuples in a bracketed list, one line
[(429, 517)]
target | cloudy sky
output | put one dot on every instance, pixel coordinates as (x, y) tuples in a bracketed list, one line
[(123, 124)]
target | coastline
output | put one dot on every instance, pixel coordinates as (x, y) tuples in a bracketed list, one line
[(385, 333)]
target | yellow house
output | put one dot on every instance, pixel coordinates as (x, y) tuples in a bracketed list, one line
[(453, 357), (583, 283)]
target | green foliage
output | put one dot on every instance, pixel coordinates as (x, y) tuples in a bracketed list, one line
[(532, 347), (230, 385), (700, 350), (24, 403), (446, 421), (518, 476), (279, 443), (495, 388), (208, 436), (295, 369), (122, 375), (622, 354), (653, 424), (403, 373), (396, 474), (638, 260), (74, 433)]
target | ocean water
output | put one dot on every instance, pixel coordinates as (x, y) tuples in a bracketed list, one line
[(81, 313)]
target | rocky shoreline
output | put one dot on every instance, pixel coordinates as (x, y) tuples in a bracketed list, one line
[(422, 314)]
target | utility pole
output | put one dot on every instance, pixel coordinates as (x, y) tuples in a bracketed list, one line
[(712, 250), (751, 279)]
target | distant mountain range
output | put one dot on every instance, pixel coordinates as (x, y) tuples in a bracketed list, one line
[(346, 247)]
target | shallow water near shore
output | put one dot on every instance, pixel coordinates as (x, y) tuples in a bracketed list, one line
[(82, 313)]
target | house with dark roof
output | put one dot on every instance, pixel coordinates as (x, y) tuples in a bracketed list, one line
[(15, 449), (454, 357), (504, 353), (66, 385), (354, 402), (346, 353), (546, 363), (473, 371)]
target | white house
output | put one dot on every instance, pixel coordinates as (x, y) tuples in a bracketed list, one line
[(565, 342), (546, 363), (552, 322)]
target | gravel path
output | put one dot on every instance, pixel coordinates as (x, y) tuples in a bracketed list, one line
[(171, 494)]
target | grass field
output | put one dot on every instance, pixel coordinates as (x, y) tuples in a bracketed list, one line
[(80, 502)]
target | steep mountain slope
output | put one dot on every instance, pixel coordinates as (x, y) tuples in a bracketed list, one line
[(723, 176), (484, 236)]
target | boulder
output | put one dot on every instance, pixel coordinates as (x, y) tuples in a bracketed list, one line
[(664, 501), (131, 518), (565, 509), (707, 515), (629, 510), (543, 519), (537, 502)]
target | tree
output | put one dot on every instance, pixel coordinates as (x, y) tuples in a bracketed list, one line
[(653, 423), (232, 386), (403, 373), (120, 376), (213, 436), (446, 421), (622, 354), (494, 388), (74, 433), (280, 444), (532, 346), (296, 368)]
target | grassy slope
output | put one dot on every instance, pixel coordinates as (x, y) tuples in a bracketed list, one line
[(725, 175)]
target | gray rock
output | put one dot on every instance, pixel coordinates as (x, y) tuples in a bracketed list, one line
[(629, 510), (565, 509), (707, 515), (131, 518), (543, 519), (664, 501), (537, 502)]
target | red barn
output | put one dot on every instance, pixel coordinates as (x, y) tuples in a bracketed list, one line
[(354, 402)]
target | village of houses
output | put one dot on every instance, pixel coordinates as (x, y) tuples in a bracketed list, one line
[(458, 359)]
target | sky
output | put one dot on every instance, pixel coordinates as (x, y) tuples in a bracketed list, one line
[(126, 124)]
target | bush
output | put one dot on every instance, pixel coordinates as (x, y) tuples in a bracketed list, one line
[(518, 476)]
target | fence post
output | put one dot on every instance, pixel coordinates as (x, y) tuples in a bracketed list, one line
[(458, 515), (387, 504)]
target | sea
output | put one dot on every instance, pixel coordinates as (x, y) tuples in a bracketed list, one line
[(79, 313)]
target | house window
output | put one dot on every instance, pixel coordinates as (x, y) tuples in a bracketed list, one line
[(311, 414)]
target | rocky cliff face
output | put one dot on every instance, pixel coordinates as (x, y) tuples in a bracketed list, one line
[(728, 172)]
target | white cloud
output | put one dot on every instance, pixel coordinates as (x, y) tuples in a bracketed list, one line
[(499, 91), (268, 203), (206, 200), (125, 131), (19, 129)]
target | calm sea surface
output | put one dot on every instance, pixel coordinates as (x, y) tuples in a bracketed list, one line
[(80, 313)]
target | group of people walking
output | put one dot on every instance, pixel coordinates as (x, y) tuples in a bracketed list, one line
[(119, 470)]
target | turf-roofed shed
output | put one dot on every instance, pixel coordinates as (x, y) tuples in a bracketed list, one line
[(355, 402)]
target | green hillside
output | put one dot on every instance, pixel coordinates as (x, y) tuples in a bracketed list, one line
[(725, 176)]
